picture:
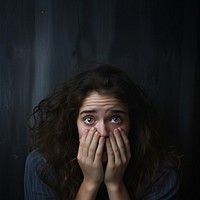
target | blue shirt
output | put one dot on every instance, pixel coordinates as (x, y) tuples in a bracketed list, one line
[(35, 189)]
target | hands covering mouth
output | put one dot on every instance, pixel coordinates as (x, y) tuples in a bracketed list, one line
[(95, 149)]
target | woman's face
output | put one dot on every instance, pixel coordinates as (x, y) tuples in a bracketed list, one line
[(103, 112)]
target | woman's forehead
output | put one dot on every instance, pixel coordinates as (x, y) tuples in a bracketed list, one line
[(95, 100)]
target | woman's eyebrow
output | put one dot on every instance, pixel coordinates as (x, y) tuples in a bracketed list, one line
[(118, 111), (87, 111)]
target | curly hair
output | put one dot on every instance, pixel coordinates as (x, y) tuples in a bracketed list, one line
[(54, 131)]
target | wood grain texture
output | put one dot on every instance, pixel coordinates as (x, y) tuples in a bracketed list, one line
[(45, 42)]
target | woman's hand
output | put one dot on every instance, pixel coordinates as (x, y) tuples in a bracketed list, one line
[(118, 152), (90, 158)]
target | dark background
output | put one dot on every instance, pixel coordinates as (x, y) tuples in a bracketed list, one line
[(44, 42)]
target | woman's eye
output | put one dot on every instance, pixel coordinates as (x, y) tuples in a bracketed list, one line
[(88, 120), (116, 119)]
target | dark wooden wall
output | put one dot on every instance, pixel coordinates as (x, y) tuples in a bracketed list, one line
[(43, 42)]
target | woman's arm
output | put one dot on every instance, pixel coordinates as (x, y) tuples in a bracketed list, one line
[(118, 193), (87, 191)]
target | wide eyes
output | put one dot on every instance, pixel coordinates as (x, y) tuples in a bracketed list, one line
[(116, 119), (90, 120)]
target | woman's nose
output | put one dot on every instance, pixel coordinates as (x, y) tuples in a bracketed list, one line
[(103, 129)]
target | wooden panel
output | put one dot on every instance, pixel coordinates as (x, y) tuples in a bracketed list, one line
[(44, 42)]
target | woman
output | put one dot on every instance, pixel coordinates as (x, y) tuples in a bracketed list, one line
[(96, 137)]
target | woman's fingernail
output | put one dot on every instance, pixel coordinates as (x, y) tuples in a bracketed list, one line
[(93, 129)]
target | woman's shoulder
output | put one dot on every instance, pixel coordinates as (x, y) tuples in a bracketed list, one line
[(34, 187), (35, 160), (167, 173), (166, 183)]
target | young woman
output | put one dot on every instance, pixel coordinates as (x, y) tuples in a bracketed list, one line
[(96, 137)]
